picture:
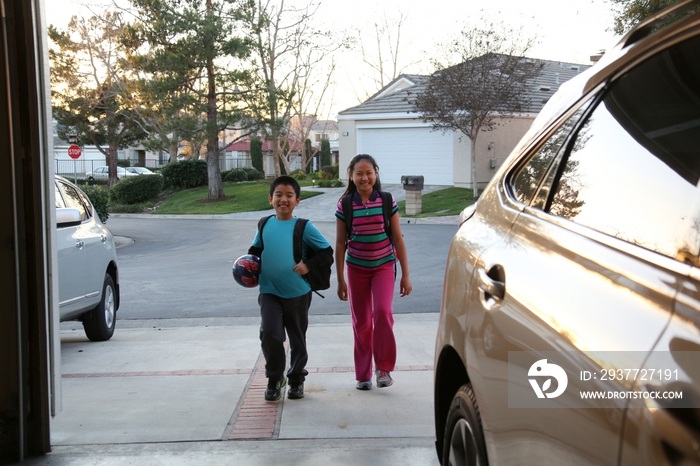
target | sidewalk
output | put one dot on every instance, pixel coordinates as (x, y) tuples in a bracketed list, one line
[(322, 208), (190, 391)]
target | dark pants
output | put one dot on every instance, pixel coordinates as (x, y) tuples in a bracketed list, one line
[(278, 314)]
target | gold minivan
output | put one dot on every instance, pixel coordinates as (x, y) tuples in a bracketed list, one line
[(570, 319)]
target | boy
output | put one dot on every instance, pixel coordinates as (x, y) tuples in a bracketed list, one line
[(285, 296)]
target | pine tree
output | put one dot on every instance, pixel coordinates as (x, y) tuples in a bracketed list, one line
[(192, 48)]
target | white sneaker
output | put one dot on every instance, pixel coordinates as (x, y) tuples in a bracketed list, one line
[(366, 385), (384, 379)]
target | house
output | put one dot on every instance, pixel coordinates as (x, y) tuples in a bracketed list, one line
[(310, 127), (237, 154), (387, 127), (326, 129)]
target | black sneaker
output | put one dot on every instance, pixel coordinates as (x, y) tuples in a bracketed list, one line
[(296, 391), (274, 389)]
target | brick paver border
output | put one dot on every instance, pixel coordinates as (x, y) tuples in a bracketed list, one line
[(312, 370), (256, 418)]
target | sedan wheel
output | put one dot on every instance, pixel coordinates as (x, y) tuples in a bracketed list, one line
[(99, 323), (464, 439)]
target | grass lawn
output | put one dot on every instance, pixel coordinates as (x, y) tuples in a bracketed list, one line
[(240, 197), (448, 201), (246, 197)]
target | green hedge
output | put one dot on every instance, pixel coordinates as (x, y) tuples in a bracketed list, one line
[(135, 189), (254, 174), (185, 174), (99, 197), (236, 175)]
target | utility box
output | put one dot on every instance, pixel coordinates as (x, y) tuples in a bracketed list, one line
[(412, 182), (414, 193)]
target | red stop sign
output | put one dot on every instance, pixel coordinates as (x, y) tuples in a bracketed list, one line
[(74, 151)]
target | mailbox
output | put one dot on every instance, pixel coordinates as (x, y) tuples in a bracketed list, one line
[(412, 182)]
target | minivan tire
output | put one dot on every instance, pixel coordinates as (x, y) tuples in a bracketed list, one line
[(463, 443)]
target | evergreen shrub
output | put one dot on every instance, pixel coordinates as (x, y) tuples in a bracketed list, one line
[(185, 174), (298, 175), (99, 197), (135, 189), (254, 174), (236, 175)]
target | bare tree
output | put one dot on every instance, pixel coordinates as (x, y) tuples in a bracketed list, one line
[(381, 51), (90, 86), (309, 104), (288, 54), (483, 80)]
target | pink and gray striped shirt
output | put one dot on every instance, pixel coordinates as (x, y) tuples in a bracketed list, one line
[(368, 245)]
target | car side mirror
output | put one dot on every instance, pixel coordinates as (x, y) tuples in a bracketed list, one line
[(68, 218)]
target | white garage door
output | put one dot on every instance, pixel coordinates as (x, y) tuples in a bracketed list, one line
[(408, 151)]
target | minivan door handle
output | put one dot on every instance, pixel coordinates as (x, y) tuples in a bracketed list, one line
[(492, 285), (79, 244), (673, 424)]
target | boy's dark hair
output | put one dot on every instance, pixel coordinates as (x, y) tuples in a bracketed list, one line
[(351, 189), (286, 181)]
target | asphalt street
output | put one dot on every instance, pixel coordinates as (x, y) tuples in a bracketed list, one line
[(180, 266)]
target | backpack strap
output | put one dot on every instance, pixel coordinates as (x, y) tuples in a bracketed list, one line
[(298, 239), (257, 251), (261, 225), (387, 204), (348, 213)]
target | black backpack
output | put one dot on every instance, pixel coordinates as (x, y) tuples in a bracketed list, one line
[(387, 202), (318, 262)]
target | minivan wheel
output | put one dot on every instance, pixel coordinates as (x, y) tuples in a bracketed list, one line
[(99, 323), (464, 439)]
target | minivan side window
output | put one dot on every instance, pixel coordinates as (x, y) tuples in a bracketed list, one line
[(527, 184), (634, 167)]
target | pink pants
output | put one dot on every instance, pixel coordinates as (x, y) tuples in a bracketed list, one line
[(371, 292)]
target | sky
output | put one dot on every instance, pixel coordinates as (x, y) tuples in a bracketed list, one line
[(567, 30)]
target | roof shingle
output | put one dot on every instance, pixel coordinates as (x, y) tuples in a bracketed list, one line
[(554, 73)]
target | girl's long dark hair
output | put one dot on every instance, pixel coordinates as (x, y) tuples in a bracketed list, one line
[(352, 189)]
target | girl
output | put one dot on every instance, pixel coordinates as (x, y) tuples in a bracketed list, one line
[(371, 267)]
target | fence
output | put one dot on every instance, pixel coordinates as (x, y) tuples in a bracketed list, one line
[(77, 168)]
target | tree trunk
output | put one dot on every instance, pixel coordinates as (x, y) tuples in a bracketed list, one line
[(216, 189), (172, 151), (112, 163), (276, 154), (475, 184)]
